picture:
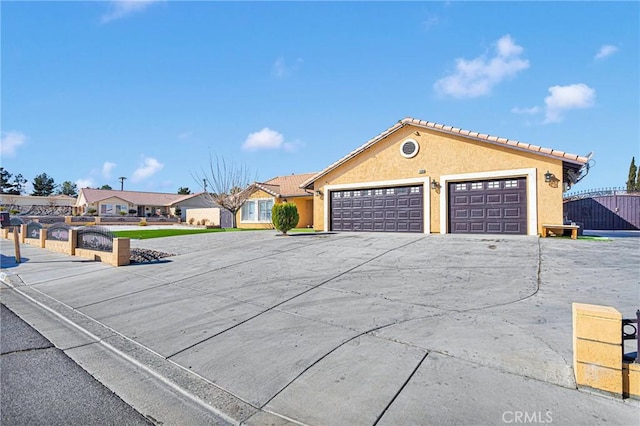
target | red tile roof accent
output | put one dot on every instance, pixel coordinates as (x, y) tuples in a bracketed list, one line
[(284, 186), (572, 158)]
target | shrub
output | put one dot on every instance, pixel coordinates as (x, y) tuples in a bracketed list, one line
[(284, 217), (2, 208), (133, 211), (14, 212), (143, 223), (122, 213), (91, 211), (191, 221)]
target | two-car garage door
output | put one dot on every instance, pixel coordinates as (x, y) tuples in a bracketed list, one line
[(494, 206), (391, 209)]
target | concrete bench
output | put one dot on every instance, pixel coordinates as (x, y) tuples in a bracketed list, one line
[(554, 228)]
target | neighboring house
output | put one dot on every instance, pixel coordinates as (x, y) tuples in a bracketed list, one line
[(256, 211), (419, 176), (32, 205), (108, 202)]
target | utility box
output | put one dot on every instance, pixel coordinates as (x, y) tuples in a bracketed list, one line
[(4, 219)]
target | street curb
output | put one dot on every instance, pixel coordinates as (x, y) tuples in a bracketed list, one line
[(219, 403)]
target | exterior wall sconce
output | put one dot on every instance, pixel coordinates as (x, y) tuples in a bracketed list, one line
[(318, 192), (548, 177), (435, 184)]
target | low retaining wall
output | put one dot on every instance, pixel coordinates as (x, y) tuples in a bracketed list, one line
[(598, 352), (120, 256)]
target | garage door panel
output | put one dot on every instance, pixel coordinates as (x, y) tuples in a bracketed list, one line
[(478, 213), (512, 199), (393, 209), (477, 199), (512, 213), (403, 202), (488, 206), (461, 200)]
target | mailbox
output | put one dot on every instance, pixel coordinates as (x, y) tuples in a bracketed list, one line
[(4, 219)]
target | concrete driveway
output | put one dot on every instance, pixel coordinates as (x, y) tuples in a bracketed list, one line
[(335, 329)]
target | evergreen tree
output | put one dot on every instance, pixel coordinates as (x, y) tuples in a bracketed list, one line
[(184, 191), (632, 181), (43, 185), (106, 187), (6, 187), (19, 183), (68, 188)]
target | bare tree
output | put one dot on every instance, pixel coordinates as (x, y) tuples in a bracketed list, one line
[(228, 183)]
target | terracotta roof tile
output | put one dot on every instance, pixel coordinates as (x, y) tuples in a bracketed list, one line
[(451, 130)]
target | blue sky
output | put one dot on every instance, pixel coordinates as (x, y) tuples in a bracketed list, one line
[(95, 90)]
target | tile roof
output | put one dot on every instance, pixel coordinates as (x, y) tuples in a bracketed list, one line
[(284, 186), (548, 152), (135, 197)]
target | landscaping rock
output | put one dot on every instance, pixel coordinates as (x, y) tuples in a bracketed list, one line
[(139, 255)]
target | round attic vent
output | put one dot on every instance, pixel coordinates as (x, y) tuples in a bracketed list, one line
[(409, 148)]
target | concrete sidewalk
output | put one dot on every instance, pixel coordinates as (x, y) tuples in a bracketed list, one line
[(335, 329)]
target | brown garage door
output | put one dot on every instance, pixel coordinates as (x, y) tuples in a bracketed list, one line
[(393, 209), (497, 206)]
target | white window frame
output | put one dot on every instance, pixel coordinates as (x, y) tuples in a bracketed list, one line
[(256, 202), (531, 186)]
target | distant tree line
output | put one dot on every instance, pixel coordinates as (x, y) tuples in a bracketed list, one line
[(44, 185)]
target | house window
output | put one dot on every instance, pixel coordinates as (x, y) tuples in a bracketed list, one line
[(256, 211), (106, 209), (120, 208)]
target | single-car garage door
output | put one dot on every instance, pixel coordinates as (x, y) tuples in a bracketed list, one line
[(497, 206), (393, 209)]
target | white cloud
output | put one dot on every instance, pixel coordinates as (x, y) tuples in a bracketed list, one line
[(264, 139), (430, 22), (565, 98), (148, 168), (10, 142), (527, 111), (281, 69), (605, 50), (119, 9), (107, 167), (84, 183), (184, 135), (477, 77)]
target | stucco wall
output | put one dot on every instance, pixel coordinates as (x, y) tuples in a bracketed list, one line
[(303, 204), (442, 154), (252, 225), (305, 210), (212, 215)]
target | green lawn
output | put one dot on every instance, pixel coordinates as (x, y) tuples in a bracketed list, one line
[(144, 234)]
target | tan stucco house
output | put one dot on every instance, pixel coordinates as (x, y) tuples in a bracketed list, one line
[(109, 202), (420, 176), (256, 211)]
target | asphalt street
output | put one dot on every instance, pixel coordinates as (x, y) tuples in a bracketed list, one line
[(42, 386)]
